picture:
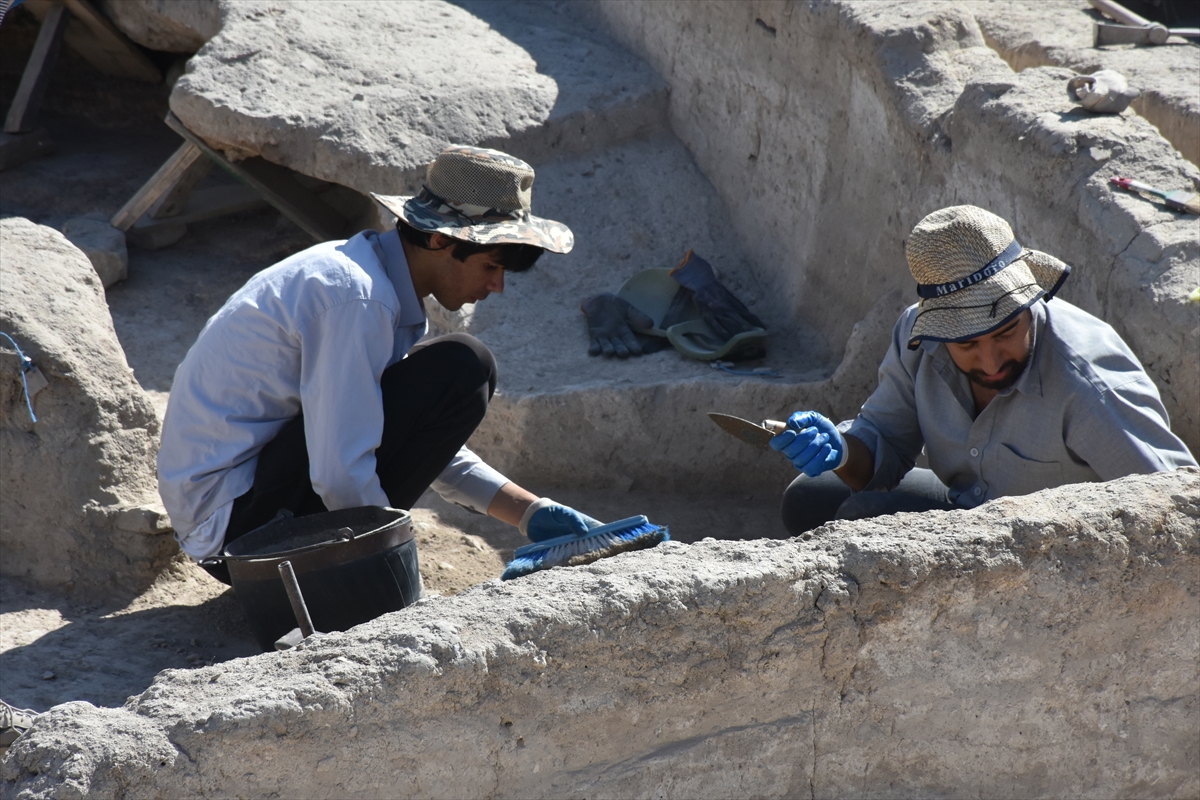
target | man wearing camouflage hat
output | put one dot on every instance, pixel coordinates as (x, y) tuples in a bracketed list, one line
[(1006, 392), (308, 390)]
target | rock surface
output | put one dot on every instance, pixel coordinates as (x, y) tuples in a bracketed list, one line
[(1040, 647), (79, 507), (173, 26), (104, 246), (811, 245), (305, 86), (1037, 33)]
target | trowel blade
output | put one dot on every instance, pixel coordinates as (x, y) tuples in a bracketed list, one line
[(749, 432)]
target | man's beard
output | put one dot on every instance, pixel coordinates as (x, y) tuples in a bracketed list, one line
[(1015, 369)]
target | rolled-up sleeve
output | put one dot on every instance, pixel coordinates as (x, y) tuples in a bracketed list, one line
[(344, 351), (469, 482), (887, 423)]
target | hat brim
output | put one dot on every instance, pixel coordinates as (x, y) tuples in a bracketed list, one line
[(537, 231), (990, 304)]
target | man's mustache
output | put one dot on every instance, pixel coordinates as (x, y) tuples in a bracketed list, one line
[(1012, 368)]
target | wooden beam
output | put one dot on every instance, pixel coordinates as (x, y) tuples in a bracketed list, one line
[(213, 202), (153, 234), (158, 185), (175, 200), (278, 186), (22, 114)]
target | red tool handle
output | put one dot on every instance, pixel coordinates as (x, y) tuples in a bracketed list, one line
[(1132, 185)]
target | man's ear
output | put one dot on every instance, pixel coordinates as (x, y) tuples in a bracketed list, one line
[(439, 241)]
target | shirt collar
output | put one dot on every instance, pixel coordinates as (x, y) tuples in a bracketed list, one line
[(412, 310)]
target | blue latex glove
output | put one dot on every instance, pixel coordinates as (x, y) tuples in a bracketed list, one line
[(812, 443), (553, 520)]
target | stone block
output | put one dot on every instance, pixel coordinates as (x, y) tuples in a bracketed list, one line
[(302, 86), (104, 246), (173, 26), (1042, 646), (71, 477), (154, 234)]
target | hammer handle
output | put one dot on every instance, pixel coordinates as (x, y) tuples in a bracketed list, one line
[(1122, 14)]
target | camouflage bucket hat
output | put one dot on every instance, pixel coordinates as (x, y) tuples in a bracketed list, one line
[(481, 196), (973, 276)]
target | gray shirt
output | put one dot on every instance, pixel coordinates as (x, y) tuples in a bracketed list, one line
[(315, 331), (1084, 410)]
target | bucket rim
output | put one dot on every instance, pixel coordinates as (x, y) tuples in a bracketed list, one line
[(401, 518)]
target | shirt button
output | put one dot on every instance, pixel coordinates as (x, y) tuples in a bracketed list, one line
[(978, 491), (974, 452)]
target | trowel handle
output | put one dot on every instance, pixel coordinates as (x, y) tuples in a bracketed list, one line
[(774, 426)]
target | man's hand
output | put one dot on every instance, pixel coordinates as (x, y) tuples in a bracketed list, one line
[(538, 518), (547, 519), (608, 321), (812, 443)]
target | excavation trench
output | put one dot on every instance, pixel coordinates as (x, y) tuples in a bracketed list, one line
[(794, 145)]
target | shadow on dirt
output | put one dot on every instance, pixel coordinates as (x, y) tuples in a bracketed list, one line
[(104, 657)]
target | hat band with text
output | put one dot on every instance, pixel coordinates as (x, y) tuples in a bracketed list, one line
[(932, 290)]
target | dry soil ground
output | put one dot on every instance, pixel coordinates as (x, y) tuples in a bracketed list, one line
[(110, 139)]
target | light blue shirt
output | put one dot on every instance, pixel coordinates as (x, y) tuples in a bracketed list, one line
[(313, 332), (1083, 410)]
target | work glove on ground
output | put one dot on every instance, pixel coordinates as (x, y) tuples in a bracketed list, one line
[(723, 312), (608, 321), (812, 443), (546, 519)]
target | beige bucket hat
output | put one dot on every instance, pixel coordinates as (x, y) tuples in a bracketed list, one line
[(481, 196), (973, 276)]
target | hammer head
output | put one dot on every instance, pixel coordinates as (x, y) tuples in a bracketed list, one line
[(1105, 33)]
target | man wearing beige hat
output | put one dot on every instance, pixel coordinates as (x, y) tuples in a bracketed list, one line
[(308, 390), (1007, 392)]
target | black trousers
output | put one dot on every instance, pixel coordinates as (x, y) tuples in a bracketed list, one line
[(433, 401), (811, 502)]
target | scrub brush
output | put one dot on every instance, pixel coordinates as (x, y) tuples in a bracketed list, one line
[(634, 533)]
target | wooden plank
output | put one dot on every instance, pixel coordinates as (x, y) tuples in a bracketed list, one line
[(277, 186), (105, 47), (158, 185), (216, 201), (175, 200), (22, 114), (153, 234)]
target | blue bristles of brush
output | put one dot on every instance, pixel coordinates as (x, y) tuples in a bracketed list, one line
[(634, 533)]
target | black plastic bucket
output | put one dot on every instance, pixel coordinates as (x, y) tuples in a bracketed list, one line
[(352, 566)]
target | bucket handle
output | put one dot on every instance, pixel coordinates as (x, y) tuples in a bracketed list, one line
[(281, 514), (288, 576)]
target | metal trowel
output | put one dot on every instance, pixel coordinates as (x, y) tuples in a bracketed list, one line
[(750, 432)]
